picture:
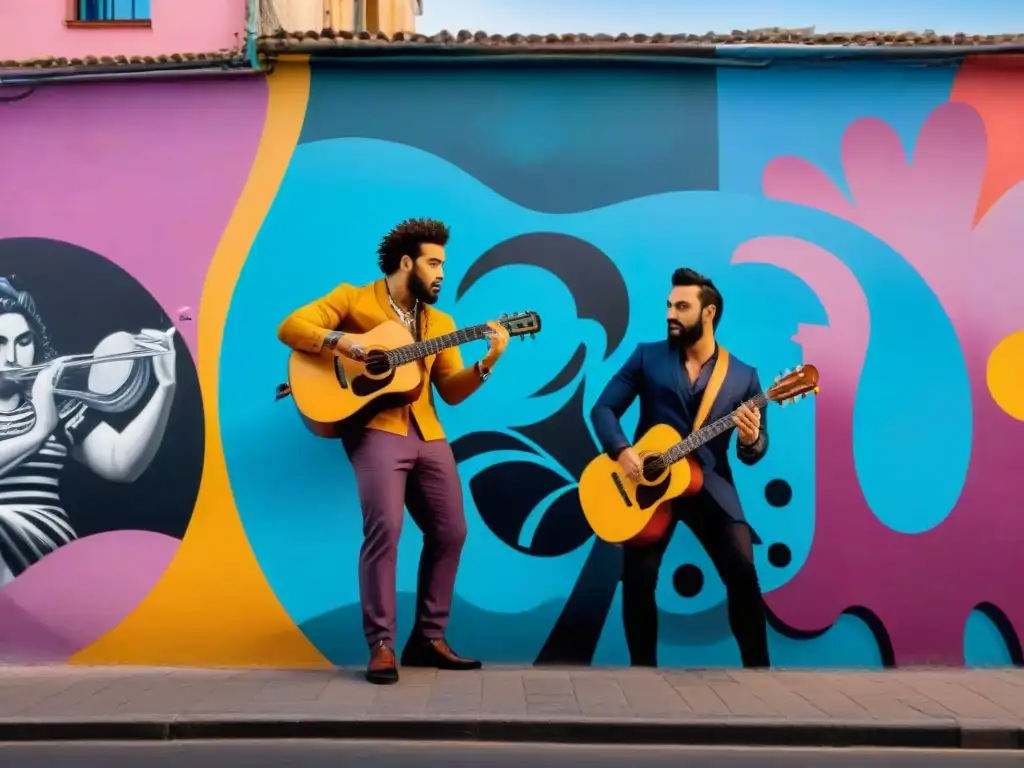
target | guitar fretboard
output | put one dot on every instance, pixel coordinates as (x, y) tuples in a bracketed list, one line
[(428, 347), (709, 432)]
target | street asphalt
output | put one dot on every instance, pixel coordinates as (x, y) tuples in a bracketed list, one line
[(352, 754)]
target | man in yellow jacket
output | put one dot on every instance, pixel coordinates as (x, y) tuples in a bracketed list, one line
[(401, 458)]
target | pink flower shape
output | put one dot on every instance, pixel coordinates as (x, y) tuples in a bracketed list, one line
[(920, 587)]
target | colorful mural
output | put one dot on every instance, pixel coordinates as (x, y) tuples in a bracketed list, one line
[(863, 217)]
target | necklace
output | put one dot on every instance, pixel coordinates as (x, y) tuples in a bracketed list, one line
[(408, 318)]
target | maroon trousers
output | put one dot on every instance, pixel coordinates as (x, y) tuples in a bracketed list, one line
[(394, 473)]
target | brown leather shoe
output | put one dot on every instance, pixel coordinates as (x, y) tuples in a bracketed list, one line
[(437, 654), (382, 669)]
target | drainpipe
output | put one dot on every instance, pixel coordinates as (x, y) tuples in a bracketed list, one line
[(252, 33), (357, 20)]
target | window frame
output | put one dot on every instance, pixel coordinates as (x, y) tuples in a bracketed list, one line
[(73, 19)]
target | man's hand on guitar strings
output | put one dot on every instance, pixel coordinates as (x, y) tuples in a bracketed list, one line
[(497, 340)]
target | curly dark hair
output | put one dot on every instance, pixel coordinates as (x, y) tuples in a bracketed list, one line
[(13, 301), (406, 239)]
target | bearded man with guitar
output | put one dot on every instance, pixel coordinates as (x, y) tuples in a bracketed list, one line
[(400, 456), (672, 378)]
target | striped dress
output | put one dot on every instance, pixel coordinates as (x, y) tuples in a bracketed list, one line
[(33, 522)]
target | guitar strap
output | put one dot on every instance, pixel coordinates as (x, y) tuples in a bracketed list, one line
[(713, 388)]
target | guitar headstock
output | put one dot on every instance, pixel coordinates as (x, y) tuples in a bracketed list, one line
[(522, 324), (794, 385)]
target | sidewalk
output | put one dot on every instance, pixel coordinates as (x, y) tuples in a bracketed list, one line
[(914, 708)]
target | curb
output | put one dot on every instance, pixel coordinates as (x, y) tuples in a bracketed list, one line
[(949, 735)]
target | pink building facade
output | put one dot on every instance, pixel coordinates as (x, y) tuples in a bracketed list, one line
[(38, 29)]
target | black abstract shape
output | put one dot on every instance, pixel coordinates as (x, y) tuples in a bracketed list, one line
[(564, 435), (779, 555), (508, 493), (557, 140), (1005, 629), (573, 639), (778, 493), (563, 527), (871, 621), (565, 376), (688, 580), (590, 275), (478, 443)]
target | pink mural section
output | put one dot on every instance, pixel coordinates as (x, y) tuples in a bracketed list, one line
[(921, 586), (147, 176), (32, 29)]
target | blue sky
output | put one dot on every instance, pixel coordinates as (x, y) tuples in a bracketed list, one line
[(699, 16)]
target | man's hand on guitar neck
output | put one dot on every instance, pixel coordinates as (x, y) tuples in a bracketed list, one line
[(630, 462)]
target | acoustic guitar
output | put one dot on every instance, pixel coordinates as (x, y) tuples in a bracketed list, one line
[(620, 509), (332, 391)]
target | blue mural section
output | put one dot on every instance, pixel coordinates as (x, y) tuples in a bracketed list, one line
[(562, 200)]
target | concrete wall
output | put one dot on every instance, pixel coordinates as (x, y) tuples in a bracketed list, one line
[(865, 218), (36, 29)]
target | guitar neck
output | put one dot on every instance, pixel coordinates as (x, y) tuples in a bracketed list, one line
[(695, 440), (428, 347)]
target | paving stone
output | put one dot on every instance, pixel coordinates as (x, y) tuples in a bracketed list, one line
[(987, 704)]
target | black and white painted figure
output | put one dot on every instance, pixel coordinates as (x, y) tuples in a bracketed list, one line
[(42, 423)]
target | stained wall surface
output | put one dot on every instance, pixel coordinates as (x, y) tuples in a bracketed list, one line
[(866, 218)]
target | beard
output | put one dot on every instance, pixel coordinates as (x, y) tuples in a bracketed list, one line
[(423, 292), (683, 337)]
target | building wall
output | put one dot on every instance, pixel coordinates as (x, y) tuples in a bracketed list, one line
[(864, 218), (36, 29)]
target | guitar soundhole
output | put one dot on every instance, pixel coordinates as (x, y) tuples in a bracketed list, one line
[(377, 363), (653, 467), (621, 489)]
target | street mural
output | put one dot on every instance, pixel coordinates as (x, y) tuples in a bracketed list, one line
[(863, 218)]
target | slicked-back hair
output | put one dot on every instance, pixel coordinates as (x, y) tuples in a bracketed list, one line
[(406, 240), (709, 294)]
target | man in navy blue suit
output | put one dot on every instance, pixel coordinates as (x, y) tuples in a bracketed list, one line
[(670, 377)]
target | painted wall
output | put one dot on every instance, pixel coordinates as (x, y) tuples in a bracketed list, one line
[(35, 29), (866, 218)]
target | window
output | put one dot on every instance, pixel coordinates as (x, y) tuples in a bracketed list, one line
[(111, 10)]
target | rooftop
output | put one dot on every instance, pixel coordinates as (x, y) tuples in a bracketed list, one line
[(284, 41), (343, 42)]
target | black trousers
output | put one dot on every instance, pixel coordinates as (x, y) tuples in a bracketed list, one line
[(729, 544)]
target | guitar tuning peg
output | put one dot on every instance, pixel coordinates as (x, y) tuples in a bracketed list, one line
[(816, 390), (799, 367), (786, 372), (778, 378)]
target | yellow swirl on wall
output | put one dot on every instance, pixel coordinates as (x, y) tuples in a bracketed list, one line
[(213, 606)]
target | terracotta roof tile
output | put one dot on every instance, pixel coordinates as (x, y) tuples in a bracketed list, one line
[(213, 58), (326, 40), (283, 41)]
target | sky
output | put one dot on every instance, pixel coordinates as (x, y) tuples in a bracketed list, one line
[(700, 16)]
